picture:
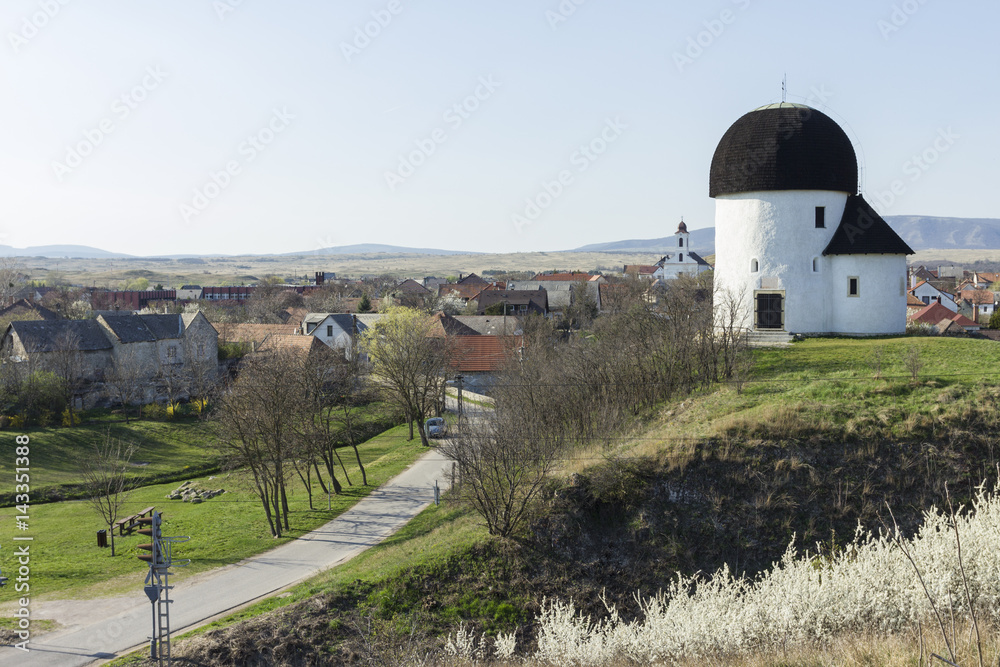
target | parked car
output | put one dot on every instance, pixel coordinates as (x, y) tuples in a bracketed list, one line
[(436, 427)]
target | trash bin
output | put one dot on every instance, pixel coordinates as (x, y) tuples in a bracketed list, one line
[(102, 538)]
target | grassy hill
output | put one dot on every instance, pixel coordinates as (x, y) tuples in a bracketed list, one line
[(823, 438)]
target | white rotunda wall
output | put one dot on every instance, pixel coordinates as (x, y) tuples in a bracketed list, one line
[(777, 230), (880, 306)]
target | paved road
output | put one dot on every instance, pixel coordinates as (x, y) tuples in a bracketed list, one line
[(102, 629)]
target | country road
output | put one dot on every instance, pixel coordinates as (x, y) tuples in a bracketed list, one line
[(105, 628)]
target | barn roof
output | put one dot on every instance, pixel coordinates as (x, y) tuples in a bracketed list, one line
[(48, 336)]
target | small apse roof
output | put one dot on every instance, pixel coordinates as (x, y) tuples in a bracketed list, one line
[(862, 231)]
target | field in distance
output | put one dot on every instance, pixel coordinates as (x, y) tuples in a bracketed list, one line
[(173, 273)]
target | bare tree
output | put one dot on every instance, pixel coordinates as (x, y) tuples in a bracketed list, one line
[(105, 476), (408, 364), (12, 278), (504, 454), (65, 362), (125, 379), (257, 421)]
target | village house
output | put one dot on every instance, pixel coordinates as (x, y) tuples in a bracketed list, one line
[(562, 288), (513, 302), (944, 320), (154, 346), (928, 293)]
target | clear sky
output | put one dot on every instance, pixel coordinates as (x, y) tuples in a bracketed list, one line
[(258, 126)]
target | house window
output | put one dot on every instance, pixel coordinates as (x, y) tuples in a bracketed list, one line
[(820, 217), (852, 286), (201, 350), (926, 300), (754, 266), (815, 264), (329, 331), (172, 352)]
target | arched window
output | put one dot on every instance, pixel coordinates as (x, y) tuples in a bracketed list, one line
[(815, 264), (680, 257), (754, 266)]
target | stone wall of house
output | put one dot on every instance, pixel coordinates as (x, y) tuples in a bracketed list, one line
[(201, 341)]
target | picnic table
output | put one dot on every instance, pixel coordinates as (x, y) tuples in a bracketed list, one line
[(129, 523)]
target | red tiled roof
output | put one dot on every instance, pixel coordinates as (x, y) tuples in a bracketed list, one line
[(641, 269), (251, 333), (912, 300), (977, 296), (472, 354), (302, 345), (467, 291), (934, 313)]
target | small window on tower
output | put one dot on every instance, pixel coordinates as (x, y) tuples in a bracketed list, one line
[(680, 242), (754, 266), (820, 217), (815, 265), (680, 257), (852, 286)]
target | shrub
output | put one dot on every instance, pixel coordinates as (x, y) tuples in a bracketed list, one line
[(69, 418), (155, 412), (868, 587)]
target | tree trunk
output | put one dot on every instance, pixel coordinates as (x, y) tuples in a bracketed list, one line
[(307, 482), (364, 475), (284, 505), (111, 531), (319, 477), (409, 422), (423, 433)]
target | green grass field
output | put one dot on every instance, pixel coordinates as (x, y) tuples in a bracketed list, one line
[(827, 387), (164, 449), (66, 562)]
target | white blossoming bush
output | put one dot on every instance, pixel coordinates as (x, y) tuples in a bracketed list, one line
[(868, 587), (464, 645)]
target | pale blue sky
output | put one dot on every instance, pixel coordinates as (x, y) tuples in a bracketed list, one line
[(209, 78)]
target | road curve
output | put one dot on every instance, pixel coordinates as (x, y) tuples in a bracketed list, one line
[(113, 626)]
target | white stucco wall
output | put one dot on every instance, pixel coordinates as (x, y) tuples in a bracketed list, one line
[(778, 230), (880, 307)]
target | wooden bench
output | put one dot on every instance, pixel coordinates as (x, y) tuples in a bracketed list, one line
[(129, 523)]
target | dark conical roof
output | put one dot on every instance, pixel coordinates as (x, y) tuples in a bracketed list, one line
[(862, 231), (784, 147)]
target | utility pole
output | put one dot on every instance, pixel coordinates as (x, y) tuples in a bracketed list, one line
[(157, 586), (460, 381)]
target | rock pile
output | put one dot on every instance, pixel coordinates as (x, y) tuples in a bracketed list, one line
[(192, 494)]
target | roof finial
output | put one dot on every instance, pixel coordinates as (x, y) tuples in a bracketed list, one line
[(784, 87)]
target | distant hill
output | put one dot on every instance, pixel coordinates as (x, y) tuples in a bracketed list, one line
[(921, 232), (702, 242), (926, 232), (59, 251), (363, 248)]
